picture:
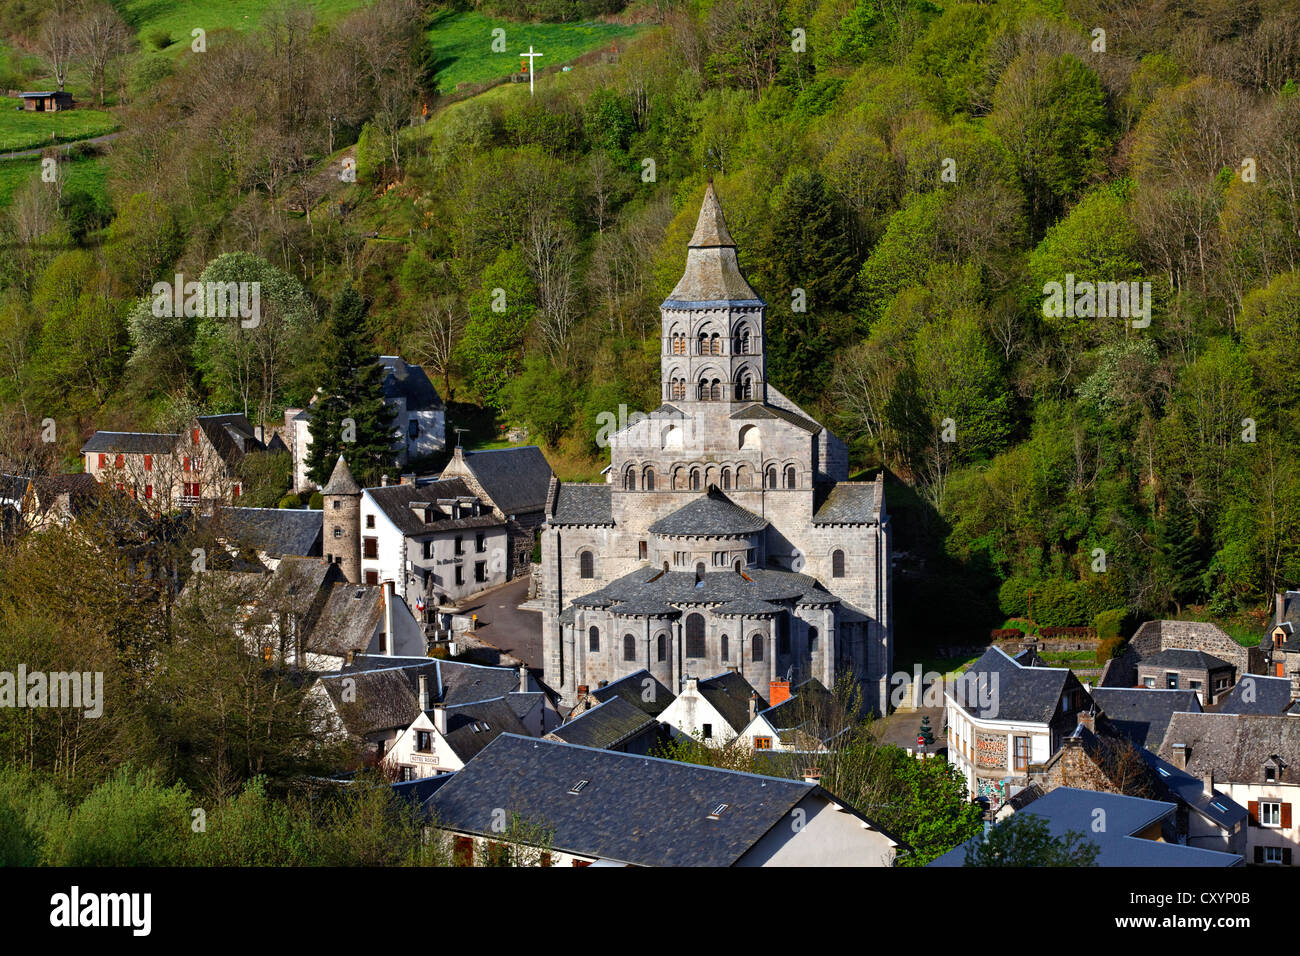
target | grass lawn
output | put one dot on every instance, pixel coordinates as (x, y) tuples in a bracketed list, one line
[(20, 129), (86, 172), (177, 18), (462, 45)]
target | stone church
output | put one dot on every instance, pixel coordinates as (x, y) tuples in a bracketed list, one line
[(727, 536)]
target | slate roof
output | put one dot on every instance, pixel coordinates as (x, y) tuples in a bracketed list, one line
[(1217, 806), (642, 811), (516, 479), (276, 531), (348, 621), (634, 689), (1235, 745), (395, 502), (1290, 621), (712, 273), (403, 380), (760, 412), (1269, 695), (681, 588), (582, 504), (608, 724), (1142, 714), (1184, 659), (713, 513), (131, 443), (341, 481), (1068, 808), (231, 435), (729, 693), (472, 726), (850, 502), (1029, 694), (810, 711)]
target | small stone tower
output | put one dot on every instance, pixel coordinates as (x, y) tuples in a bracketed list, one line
[(341, 540)]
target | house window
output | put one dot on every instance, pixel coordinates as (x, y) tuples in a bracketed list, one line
[(663, 647), (1171, 680), (1270, 813), (642, 550), (708, 731), (1270, 774), (148, 492), (406, 774), (370, 521), (586, 565), (194, 435), (371, 548), (414, 429), (463, 853), (1148, 682), (762, 743), (103, 461), (837, 564), (723, 648), (148, 462), (629, 647), (423, 741), (119, 461), (1273, 854), (192, 489), (480, 571), (185, 463), (460, 575), (1022, 753), (338, 505), (460, 545), (372, 578), (338, 532), (695, 636), (593, 639), (480, 542)]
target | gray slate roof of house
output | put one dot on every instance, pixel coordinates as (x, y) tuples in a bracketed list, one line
[(1028, 694), (130, 443), (1257, 694), (642, 811), (849, 502), (1067, 808), (1184, 659), (1217, 806), (681, 588), (403, 380), (473, 725), (231, 435), (395, 502), (1141, 714), (608, 724), (1235, 745), (516, 479), (713, 513), (277, 531), (635, 688), (1290, 621), (760, 412), (810, 710), (582, 504), (729, 693), (348, 620)]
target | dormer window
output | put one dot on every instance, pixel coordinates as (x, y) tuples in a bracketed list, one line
[(1270, 774)]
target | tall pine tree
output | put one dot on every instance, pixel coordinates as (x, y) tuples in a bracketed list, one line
[(351, 418), (1182, 552)]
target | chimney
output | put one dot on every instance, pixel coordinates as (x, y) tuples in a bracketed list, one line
[(440, 718), (408, 478), (780, 692), (1208, 780), (1088, 720), (601, 683), (424, 692), (383, 481), (1277, 607), (1180, 756), (582, 691), (753, 705), (349, 656), (389, 643), (812, 775), (523, 678)]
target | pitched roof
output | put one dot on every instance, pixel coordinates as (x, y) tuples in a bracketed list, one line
[(347, 620), (608, 724), (1215, 806), (277, 531), (759, 412), (730, 694), (850, 502), (232, 436), (402, 380), (712, 270), (582, 504), (516, 479), (341, 481), (635, 688), (642, 811), (1257, 694), (1233, 744), (728, 588), (473, 725), (1186, 659), (131, 443), (1012, 692), (1067, 808), (1142, 713), (395, 501), (713, 513), (811, 711)]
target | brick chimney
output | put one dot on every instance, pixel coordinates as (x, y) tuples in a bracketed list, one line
[(582, 691), (440, 718), (424, 692), (780, 691), (408, 479), (1180, 756), (812, 775), (1207, 781), (1088, 720)]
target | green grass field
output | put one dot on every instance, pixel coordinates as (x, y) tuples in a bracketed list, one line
[(86, 172), (462, 45), (177, 18), (20, 129)]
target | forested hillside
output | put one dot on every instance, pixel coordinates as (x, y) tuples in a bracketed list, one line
[(904, 179)]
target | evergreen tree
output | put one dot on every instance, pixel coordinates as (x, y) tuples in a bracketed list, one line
[(1182, 553), (352, 390)]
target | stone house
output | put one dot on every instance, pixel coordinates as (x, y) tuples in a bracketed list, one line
[(1156, 636), (613, 724), (1209, 677), (513, 482), (714, 710), (1280, 646)]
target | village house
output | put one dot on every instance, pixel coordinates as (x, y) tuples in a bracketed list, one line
[(714, 710), (602, 807), (612, 724), (639, 688), (1252, 758), (806, 718), (1004, 716), (419, 419), (42, 501), (443, 738), (1141, 714), (1209, 677), (1154, 637), (1280, 646), (46, 101), (1136, 831), (267, 535), (1257, 694), (514, 483)]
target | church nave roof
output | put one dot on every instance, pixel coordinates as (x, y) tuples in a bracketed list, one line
[(713, 513)]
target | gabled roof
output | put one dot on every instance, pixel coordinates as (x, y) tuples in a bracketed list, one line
[(402, 380), (713, 513), (642, 811), (472, 726), (341, 481), (608, 724), (760, 412), (232, 436), (130, 443), (730, 694), (1216, 806), (1184, 659), (1257, 694), (850, 502), (516, 479), (1029, 694), (395, 501), (1140, 713), (811, 711), (348, 620), (1067, 808), (640, 689), (582, 504), (727, 588), (276, 531), (1233, 744)]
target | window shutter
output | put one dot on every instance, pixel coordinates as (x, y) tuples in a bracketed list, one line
[(1259, 854), (1253, 809), (1286, 816), (1286, 855)]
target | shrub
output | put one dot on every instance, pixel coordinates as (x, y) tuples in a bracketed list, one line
[(316, 502), (159, 38), (1006, 634), (1108, 648), (1112, 623), (291, 500)]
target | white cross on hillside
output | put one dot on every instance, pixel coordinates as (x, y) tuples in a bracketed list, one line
[(531, 55)]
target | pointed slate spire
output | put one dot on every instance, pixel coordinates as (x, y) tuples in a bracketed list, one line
[(711, 227), (712, 270), (341, 481)]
